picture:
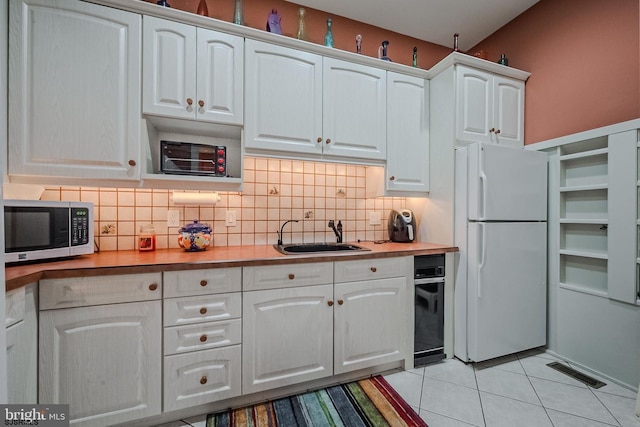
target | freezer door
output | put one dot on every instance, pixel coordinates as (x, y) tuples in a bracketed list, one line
[(506, 288), (506, 184)]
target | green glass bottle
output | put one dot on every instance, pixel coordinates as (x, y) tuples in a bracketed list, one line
[(328, 38)]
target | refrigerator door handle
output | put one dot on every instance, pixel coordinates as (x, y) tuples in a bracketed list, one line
[(482, 199), (481, 252)]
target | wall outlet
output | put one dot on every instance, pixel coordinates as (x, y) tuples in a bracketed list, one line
[(374, 218), (230, 220), (173, 218)]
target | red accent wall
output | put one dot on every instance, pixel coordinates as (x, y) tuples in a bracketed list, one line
[(344, 30), (584, 59), (583, 55)]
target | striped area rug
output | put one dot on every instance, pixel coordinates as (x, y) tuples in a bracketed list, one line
[(369, 402)]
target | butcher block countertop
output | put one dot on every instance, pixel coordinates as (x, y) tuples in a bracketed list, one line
[(133, 262)]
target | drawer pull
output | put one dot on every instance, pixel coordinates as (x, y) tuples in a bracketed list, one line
[(203, 283), (319, 139), (330, 303), (373, 269), (201, 103), (203, 310), (203, 338), (292, 276), (153, 286), (340, 302), (189, 101), (203, 380), (132, 162)]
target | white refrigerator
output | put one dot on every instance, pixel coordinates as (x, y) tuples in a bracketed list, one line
[(500, 227)]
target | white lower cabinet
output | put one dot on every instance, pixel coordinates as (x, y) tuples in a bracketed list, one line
[(201, 377), (104, 361), (369, 323), (22, 345), (287, 336), (294, 333), (202, 336)]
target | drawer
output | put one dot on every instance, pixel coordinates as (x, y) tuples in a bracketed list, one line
[(83, 291), (287, 276), (207, 308), (202, 336), (370, 269), (14, 306), (200, 377), (201, 282)]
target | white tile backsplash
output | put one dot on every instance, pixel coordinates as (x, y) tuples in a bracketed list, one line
[(274, 191)]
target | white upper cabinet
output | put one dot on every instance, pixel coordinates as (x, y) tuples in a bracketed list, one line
[(192, 73), (74, 87), (489, 107), (354, 110), (285, 89), (304, 104), (407, 133)]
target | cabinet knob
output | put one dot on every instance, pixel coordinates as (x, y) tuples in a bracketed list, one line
[(328, 141), (497, 131), (203, 283), (492, 130), (373, 269), (392, 178), (132, 162), (203, 338), (340, 302), (292, 276), (203, 380), (153, 286), (189, 101), (203, 310), (319, 139), (201, 103), (330, 303)]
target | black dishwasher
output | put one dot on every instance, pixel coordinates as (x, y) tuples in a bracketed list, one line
[(429, 309)]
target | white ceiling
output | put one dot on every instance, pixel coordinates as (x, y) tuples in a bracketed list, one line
[(432, 20)]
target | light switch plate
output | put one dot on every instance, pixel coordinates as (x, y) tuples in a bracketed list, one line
[(173, 218), (374, 218), (230, 220)]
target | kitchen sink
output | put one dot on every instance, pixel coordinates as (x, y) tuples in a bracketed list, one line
[(305, 248)]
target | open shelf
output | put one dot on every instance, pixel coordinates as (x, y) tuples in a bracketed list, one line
[(587, 240), (584, 147), (170, 129), (584, 188), (579, 169), (586, 205), (582, 272)]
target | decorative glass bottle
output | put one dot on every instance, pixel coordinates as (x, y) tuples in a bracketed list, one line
[(302, 26), (237, 14), (328, 38), (202, 8), (455, 42)]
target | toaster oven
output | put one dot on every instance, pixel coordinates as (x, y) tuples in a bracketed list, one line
[(185, 158)]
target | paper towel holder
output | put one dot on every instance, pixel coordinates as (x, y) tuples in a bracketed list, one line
[(195, 198)]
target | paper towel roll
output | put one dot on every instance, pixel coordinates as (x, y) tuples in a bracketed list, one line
[(186, 198)]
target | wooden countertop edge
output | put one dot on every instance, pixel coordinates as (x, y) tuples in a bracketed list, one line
[(134, 262)]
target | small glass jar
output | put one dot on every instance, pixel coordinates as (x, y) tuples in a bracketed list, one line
[(147, 238)]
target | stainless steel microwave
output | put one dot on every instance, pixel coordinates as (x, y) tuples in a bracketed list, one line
[(38, 229)]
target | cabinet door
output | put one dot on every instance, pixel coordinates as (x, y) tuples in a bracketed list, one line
[(508, 111), (287, 336), (169, 64), (220, 81), (370, 323), (201, 377), (285, 89), (407, 133), (354, 110), (22, 352), (474, 105), (104, 361), (74, 82)]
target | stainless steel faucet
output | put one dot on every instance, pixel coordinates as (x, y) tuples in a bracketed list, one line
[(282, 228), (337, 231)]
